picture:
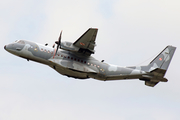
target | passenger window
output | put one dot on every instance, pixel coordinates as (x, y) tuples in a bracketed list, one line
[(35, 49)]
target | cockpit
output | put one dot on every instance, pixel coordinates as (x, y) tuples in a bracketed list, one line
[(20, 41)]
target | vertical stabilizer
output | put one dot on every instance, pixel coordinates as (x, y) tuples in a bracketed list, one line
[(162, 60), (157, 67)]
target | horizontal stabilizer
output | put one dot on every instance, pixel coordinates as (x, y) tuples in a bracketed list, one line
[(154, 77), (151, 84), (158, 72)]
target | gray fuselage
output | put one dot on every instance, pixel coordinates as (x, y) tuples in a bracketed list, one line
[(72, 64)]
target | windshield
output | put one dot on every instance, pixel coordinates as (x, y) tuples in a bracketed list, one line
[(20, 41)]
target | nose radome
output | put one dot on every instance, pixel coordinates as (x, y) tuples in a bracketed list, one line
[(5, 47)]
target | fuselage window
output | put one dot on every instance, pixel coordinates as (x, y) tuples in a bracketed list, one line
[(91, 64), (61, 55), (68, 57), (48, 51), (74, 59), (88, 63), (71, 58), (78, 60), (45, 50), (98, 66), (64, 56), (35, 49), (94, 65), (82, 61), (51, 52), (85, 62), (41, 49)]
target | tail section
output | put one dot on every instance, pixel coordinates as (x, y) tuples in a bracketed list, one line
[(163, 60), (158, 67)]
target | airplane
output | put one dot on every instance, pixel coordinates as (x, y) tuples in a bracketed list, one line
[(75, 60)]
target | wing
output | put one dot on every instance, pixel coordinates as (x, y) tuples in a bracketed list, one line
[(86, 42)]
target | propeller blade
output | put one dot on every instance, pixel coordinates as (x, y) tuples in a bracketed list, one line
[(60, 39), (58, 42), (53, 45)]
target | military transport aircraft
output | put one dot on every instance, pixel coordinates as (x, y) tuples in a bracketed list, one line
[(75, 60)]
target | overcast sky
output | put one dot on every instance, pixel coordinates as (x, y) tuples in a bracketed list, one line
[(131, 32)]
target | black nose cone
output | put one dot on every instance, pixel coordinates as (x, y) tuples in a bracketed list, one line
[(5, 47)]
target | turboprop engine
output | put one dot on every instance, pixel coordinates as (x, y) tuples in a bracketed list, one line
[(69, 46)]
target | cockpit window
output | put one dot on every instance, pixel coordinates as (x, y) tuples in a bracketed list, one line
[(20, 42)]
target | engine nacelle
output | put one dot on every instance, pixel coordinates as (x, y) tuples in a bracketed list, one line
[(69, 47)]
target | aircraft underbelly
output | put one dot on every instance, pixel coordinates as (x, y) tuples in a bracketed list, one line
[(122, 77), (71, 69), (70, 73), (124, 73)]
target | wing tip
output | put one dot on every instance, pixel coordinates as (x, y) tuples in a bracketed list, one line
[(94, 28)]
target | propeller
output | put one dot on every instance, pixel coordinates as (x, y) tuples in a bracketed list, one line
[(58, 43)]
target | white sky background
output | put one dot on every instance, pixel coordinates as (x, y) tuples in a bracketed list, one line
[(130, 32)]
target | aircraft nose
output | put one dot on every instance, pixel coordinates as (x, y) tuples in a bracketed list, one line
[(5, 47)]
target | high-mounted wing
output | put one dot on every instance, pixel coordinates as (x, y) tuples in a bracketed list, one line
[(86, 42)]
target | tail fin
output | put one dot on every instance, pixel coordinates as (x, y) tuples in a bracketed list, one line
[(158, 67), (162, 60)]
